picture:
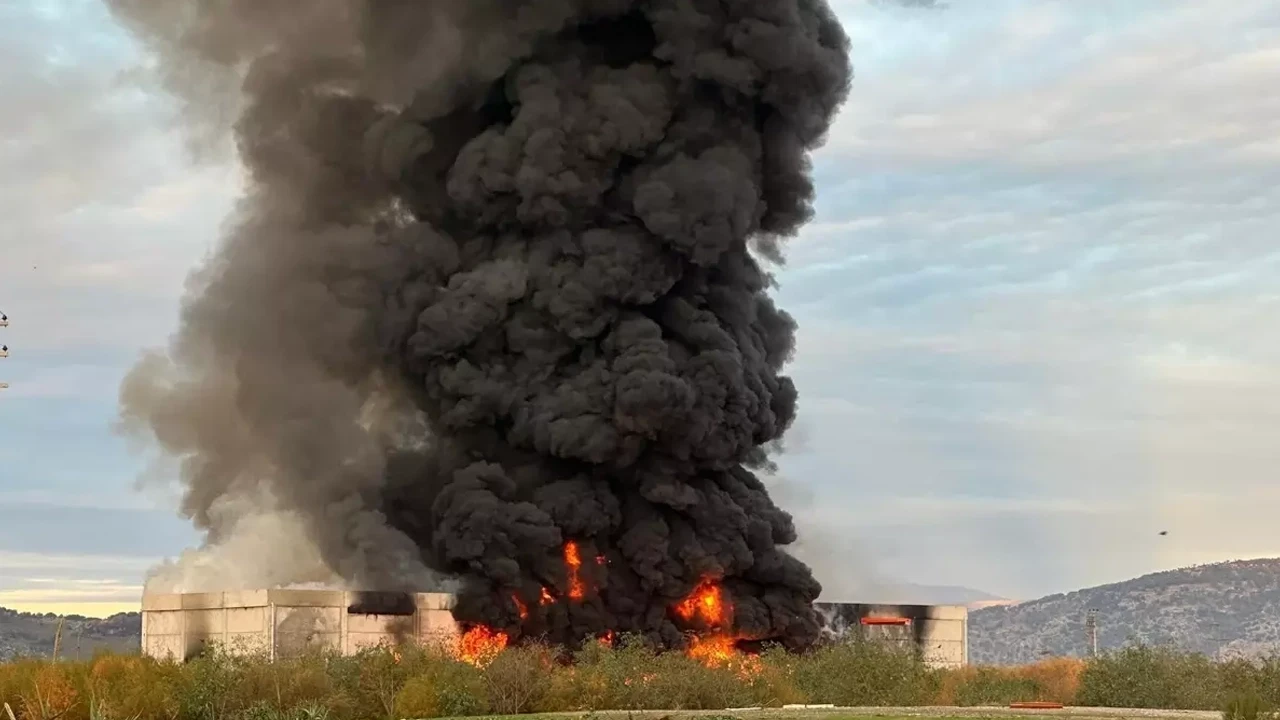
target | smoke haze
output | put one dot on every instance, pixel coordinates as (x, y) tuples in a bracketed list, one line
[(490, 291)]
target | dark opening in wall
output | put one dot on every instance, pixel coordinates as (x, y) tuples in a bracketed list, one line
[(383, 603)]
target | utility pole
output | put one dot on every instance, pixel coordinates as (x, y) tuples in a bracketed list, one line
[(1091, 631), (4, 349), (1218, 639)]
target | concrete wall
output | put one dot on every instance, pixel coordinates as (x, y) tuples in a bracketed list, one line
[(939, 632), (287, 622)]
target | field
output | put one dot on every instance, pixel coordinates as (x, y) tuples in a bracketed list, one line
[(862, 679)]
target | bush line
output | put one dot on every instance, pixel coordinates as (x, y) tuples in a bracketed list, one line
[(413, 682)]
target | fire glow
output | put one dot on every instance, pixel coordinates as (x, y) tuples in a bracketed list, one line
[(480, 645), (712, 650), (706, 610), (573, 565), (705, 603)]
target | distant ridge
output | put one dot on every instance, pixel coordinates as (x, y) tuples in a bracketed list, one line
[(1232, 608), (913, 594), (980, 604), (26, 634)]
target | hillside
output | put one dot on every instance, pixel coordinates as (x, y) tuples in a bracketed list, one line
[(1230, 608), (29, 634)]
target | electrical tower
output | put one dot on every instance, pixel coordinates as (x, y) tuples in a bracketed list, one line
[(1091, 631)]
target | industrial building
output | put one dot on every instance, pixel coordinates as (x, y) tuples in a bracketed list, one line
[(281, 623), (284, 622), (940, 633)]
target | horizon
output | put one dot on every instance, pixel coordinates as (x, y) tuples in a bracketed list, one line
[(102, 610), (1028, 304)]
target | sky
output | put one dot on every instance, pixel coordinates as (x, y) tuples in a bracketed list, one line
[(1035, 304)]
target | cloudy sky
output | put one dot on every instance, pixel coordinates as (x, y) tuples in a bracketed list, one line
[(1036, 304)]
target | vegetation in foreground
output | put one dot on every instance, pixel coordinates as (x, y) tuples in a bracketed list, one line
[(382, 683)]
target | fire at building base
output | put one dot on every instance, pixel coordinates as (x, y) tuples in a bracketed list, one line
[(283, 623)]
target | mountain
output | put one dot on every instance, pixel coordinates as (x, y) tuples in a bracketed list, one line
[(1231, 608), (24, 634)]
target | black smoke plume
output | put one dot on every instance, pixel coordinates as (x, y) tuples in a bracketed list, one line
[(489, 291)]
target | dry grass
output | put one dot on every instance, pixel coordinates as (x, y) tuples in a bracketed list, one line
[(1052, 680), (419, 682)]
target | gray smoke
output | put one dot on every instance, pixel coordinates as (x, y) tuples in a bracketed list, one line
[(490, 291)]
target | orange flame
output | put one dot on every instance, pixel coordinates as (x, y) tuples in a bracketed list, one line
[(713, 649), (480, 645), (577, 590), (706, 602), (721, 650), (607, 637), (520, 607), (546, 597)]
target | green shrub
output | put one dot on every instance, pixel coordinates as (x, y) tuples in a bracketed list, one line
[(419, 698), (1143, 676), (516, 679), (863, 673), (681, 683), (206, 687), (368, 682), (444, 689), (129, 686), (1247, 706), (411, 682), (1267, 680), (773, 683), (266, 711)]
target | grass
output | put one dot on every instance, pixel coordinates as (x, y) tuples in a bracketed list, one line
[(411, 682)]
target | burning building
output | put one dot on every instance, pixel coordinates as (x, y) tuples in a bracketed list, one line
[(494, 306), (282, 623), (939, 633)]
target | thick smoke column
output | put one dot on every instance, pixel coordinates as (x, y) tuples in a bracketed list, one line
[(490, 293)]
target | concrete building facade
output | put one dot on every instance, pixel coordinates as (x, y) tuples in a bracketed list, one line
[(940, 633), (281, 623)]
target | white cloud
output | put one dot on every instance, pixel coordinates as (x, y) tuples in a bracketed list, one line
[(71, 591), (67, 595), (1052, 85), (1033, 306), (115, 565), (104, 216)]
